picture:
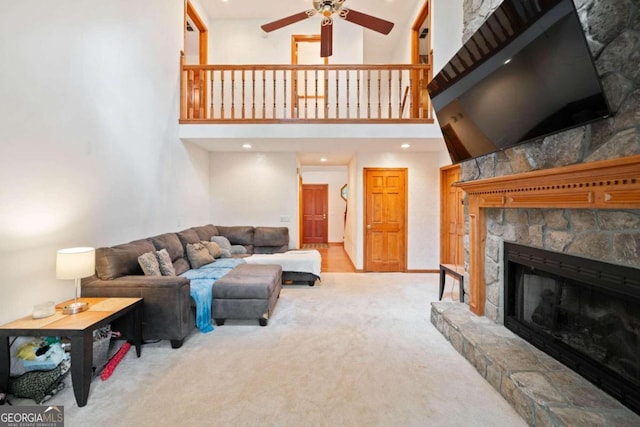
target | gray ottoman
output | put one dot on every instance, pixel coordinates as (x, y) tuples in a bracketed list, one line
[(249, 291)]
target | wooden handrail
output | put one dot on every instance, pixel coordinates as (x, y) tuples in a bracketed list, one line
[(299, 93)]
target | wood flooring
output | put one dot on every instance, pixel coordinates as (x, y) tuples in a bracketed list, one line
[(335, 259)]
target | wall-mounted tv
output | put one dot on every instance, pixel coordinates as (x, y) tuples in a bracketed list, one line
[(527, 72)]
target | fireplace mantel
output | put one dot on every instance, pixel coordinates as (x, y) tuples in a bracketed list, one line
[(607, 184)]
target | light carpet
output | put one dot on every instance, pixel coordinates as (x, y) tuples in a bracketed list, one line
[(357, 349)]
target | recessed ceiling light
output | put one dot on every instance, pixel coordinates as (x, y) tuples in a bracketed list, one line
[(507, 61), (324, 159), (246, 146), (405, 146)]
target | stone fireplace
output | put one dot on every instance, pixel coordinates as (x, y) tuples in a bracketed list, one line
[(576, 193)]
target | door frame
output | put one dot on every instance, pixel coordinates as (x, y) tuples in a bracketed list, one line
[(405, 172), (295, 40), (203, 45), (423, 15), (445, 240)]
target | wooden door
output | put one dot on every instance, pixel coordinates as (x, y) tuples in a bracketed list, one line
[(315, 202), (451, 217), (385, 219)]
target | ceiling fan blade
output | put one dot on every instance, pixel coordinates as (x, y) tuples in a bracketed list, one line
[(326, 38), (367, 21), (275, 25)]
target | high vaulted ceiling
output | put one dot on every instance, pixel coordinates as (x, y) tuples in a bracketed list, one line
[(397, 11), (338, 151)]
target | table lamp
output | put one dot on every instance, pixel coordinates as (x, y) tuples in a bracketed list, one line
[(75, 263)]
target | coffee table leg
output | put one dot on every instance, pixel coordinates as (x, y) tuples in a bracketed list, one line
[(81, 361), (137, 328), (5, 365)]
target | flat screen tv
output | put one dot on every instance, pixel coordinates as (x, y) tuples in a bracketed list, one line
[(526, 73)]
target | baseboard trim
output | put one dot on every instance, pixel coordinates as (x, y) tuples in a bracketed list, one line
[(407, 271)]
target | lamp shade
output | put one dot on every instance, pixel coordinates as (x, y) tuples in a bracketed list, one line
[(75, 263)]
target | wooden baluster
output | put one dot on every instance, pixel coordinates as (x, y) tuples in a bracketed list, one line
[(400, 94), (190, 94), (358, 94), (273, 77), (326, 94), (348, 100), (284, 94), (306, 93), (183, 88), (253, 94), (316, 97), (203, 94), (242, 76), (423, 86), (233, 94), (337, 94), (389, 84), (210, 87), (264, 94), (368, 94), (379, 94), (222, 115)]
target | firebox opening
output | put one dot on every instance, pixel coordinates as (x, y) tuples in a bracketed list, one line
[(582, 312)]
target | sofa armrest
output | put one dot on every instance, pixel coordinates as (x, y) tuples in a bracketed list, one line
[(167, 302)]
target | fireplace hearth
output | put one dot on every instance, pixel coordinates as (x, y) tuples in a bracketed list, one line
[(582, 312)]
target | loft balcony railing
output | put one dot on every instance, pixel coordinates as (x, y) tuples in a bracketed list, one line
[(305, 94)]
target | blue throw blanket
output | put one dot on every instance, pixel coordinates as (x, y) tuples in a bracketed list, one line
[(202, 281)]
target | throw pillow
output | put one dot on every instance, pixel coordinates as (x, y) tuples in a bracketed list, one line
[(198, 255), (213, 248), (238, 250), (166, 266), (149, 264), (225, 245)]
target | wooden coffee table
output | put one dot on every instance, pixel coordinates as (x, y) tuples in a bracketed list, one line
[(79, 327)]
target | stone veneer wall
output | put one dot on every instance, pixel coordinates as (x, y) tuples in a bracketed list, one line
[(612, 28)]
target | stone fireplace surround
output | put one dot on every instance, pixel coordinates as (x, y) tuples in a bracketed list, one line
[(586, 217)]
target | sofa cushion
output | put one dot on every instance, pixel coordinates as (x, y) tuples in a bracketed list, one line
[(121, 260), (188, 236), (271, 236), (149, 264), (198, 255), (249, 281), (206, 231), (174, 247), (166, 266), (238, 234)]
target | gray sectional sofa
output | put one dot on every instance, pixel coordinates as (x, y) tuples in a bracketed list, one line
[(170, 312)]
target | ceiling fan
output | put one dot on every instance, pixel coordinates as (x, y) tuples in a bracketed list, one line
[(327, 8)]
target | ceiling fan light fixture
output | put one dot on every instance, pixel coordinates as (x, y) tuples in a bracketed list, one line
[(327, 8)]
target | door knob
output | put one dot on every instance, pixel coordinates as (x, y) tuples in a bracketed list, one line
[(368, 226)]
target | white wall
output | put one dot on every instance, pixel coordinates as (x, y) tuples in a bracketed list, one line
[(423, 228), (259, 189), (88, 137), (335, 177), (446, 32), (244, 42)]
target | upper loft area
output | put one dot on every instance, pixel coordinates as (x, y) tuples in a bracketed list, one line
[(239, 82)]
